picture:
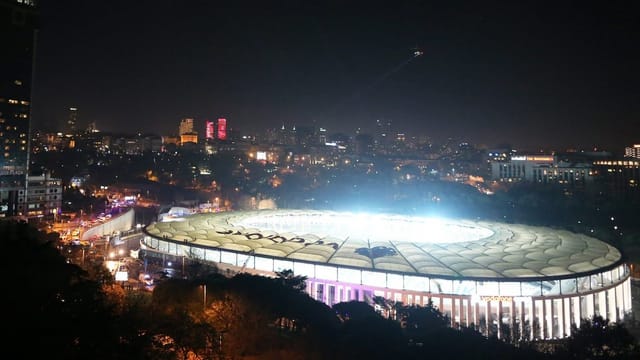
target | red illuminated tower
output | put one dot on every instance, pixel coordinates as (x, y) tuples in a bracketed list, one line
[(222, 129), (210, 131)]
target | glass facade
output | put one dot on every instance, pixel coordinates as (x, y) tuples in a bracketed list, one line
[(18, 30)]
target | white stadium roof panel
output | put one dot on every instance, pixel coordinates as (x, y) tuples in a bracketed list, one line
[(396, 243), (480, 273)]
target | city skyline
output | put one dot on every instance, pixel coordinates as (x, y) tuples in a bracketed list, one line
[(523, 74)]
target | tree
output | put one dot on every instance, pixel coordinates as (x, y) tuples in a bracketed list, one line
[(197, 270), (354, 310), (371, 337), (288, 278), (597, 338), (62, 312), (184, 335), (258, 315), (385, 306)]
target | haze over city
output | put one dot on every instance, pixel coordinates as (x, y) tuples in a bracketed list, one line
[(532, 74)]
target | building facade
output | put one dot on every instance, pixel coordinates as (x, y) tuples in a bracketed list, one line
[(545, 169), (18, 32), (222, 129), (42, 198), (620, 178), (632, 151), (72, 121), (209, 130), (533, 282), (186, 126)]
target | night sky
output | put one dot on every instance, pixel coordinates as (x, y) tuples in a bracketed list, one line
[(533, 74)]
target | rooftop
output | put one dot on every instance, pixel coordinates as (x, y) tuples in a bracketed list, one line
[(385, 242)]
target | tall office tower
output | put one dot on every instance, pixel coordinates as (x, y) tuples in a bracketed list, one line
[(18, 31), (91, 128), (633, 151), (222, 129), (209, 130), (186, 126), (322, 136), (383, 135), (72, 121)]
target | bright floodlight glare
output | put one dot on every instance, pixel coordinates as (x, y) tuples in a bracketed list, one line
[(371, 227)]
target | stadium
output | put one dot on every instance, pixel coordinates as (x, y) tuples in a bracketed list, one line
[(533, 282)]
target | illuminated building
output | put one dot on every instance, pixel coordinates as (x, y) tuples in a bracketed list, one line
[(619, 178), (136, 145), (222, 129), (44, 196), (534, 282), (18, 31), (210, 131), (633, 151), (186, 126), (383, 133), (322, 136), (72, 121), (546, 169), (188, 138)]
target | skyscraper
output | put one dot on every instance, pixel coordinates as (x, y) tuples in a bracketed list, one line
[(186, 126), (18, 31), (383, 137), (72, 121), (209, 130), (222, 129)]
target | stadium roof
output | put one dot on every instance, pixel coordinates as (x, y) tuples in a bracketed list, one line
[(384, 242)]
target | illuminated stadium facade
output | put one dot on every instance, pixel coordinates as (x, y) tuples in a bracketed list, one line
[(534, 282)]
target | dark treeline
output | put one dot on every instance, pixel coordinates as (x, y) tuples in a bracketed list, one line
[(60, 310)]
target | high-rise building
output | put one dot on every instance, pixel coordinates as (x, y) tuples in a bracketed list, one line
[(43, 196), (18, 31), (222, 129), (72, 121), (632, 151), (186, 126), (210, 131), (383, 136), (322, 136)]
